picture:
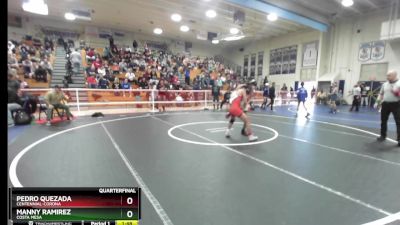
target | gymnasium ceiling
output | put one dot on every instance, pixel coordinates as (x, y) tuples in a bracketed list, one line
[(142, 16)]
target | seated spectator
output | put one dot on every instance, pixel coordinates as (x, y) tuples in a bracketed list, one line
[(123, 67), (91, 71), (12, 61), (23, 51), (17, 100), (126, 84), (130, 75), (103, 83), (90, 55), (115, 68), (97, 63), (27, 65), (47, 66), (41, 74), (101, 71), (91, 81), (116, 84), (55, 99)]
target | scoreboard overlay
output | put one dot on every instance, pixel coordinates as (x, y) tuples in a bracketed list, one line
[(75, 206)]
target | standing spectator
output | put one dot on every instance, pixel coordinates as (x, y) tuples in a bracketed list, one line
[(265, 95), (187, 75), (312, 92), (215, 91), (283, 93), (389, 97), (333, 98), (364, 96), (291, 92), (76, 61), (356, 97), (111, 40), (134, 45), (272, 95)]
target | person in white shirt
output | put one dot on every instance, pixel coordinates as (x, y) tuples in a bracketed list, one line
[(130, 75), (389, 98), (101, 71), (11, 47), (76, 60), (356, 97)]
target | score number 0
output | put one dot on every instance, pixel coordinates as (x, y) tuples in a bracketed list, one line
[(129, 213)]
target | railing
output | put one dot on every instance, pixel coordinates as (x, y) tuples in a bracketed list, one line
[(142, 100)]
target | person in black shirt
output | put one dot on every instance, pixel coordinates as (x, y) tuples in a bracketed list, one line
[(215, 90), (272, 95), (111, 39), (40, 74)]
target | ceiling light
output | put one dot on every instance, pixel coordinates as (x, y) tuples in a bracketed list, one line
[(211, 13), (176, 17), (215, 41), (158, 31), (69, 16), (184, 28), (234, 30), (347, 3), (272, 17), (36, 6), (233, 38)]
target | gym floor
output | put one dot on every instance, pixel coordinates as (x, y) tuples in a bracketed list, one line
[(328, 169)]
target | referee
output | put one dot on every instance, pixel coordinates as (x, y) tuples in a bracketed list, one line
[(389, 97)]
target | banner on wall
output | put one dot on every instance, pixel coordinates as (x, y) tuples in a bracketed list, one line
[(245, 65), (260, 63), (364, 53), (378, 50), (57, 32), (272, 62), (278, 61), (104, 33), (253, 65), (91, 31), (283, 60), (293, 59), (310, 54)]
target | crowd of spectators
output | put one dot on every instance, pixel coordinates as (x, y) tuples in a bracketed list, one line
[(31, 57), (121, 67)]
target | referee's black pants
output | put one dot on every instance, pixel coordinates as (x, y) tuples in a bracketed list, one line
[(387, 108)]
